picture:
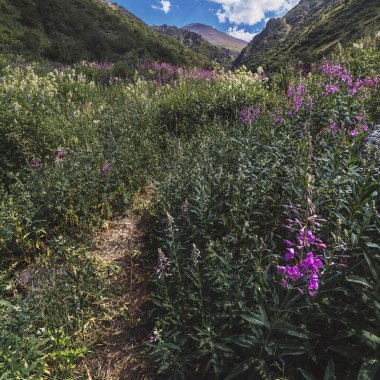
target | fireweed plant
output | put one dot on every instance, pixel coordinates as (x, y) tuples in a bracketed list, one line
[(268, 237)]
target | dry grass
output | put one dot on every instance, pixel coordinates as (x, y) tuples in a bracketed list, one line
[(118, 349)]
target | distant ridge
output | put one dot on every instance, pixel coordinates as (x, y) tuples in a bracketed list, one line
[(310, 30), (197, 43), (216, 37)]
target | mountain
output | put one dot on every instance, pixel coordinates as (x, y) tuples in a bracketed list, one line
[(309, 31), (216, 37), (197, 43), (72, 30)]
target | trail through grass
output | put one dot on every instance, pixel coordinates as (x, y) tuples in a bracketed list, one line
[(119, 351)]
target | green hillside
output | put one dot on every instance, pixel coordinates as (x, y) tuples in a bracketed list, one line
[(197, 43), (216, 37), (310, 30), (72, 30)]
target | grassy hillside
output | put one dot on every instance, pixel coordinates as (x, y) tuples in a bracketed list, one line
[(310, 30), (73, 30), (217, 37), (197, 43)]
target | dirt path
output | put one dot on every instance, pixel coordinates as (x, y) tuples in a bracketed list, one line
[(119, 352)]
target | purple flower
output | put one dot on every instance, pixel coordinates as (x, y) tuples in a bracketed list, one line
[(311, 263), (354, 133), (35, 163), (313, 284), (288, 243), (358, 118), (278, 120), (104, 65), (290, 92), (290, 273), (106, 168), (331, 89), (256, 112), (289, 254), (59, 154), (247, 115), (309, 104), (297, 95), (365, 128), (371, 81), (334, 128), (307, 239)]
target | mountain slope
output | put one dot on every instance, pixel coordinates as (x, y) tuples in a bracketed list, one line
[(310, 30), (216, 37), (197, 43), (72, 30)]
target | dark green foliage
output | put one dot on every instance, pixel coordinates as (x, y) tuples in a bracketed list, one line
[(74, 30), (42, 331), (220, 309)]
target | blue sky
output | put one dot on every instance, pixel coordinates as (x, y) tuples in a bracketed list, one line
[(240, 18)]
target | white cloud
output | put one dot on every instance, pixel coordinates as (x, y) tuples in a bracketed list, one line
[(165, 6), (242, 34), (250, 11)]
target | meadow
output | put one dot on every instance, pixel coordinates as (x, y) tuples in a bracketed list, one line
[(263, 225)]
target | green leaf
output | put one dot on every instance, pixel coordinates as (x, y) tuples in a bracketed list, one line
[(254, 319), (244, 340), (373, 245), (306, 375), (5, 303), (370, 336), (358, 280), (369, 369), (292, 330), (330, 370), (243, 367)]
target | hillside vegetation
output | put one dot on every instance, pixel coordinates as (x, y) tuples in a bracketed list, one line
[(263, 220), (74, 30), (216, 37), (309, 31), (197, 43)]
